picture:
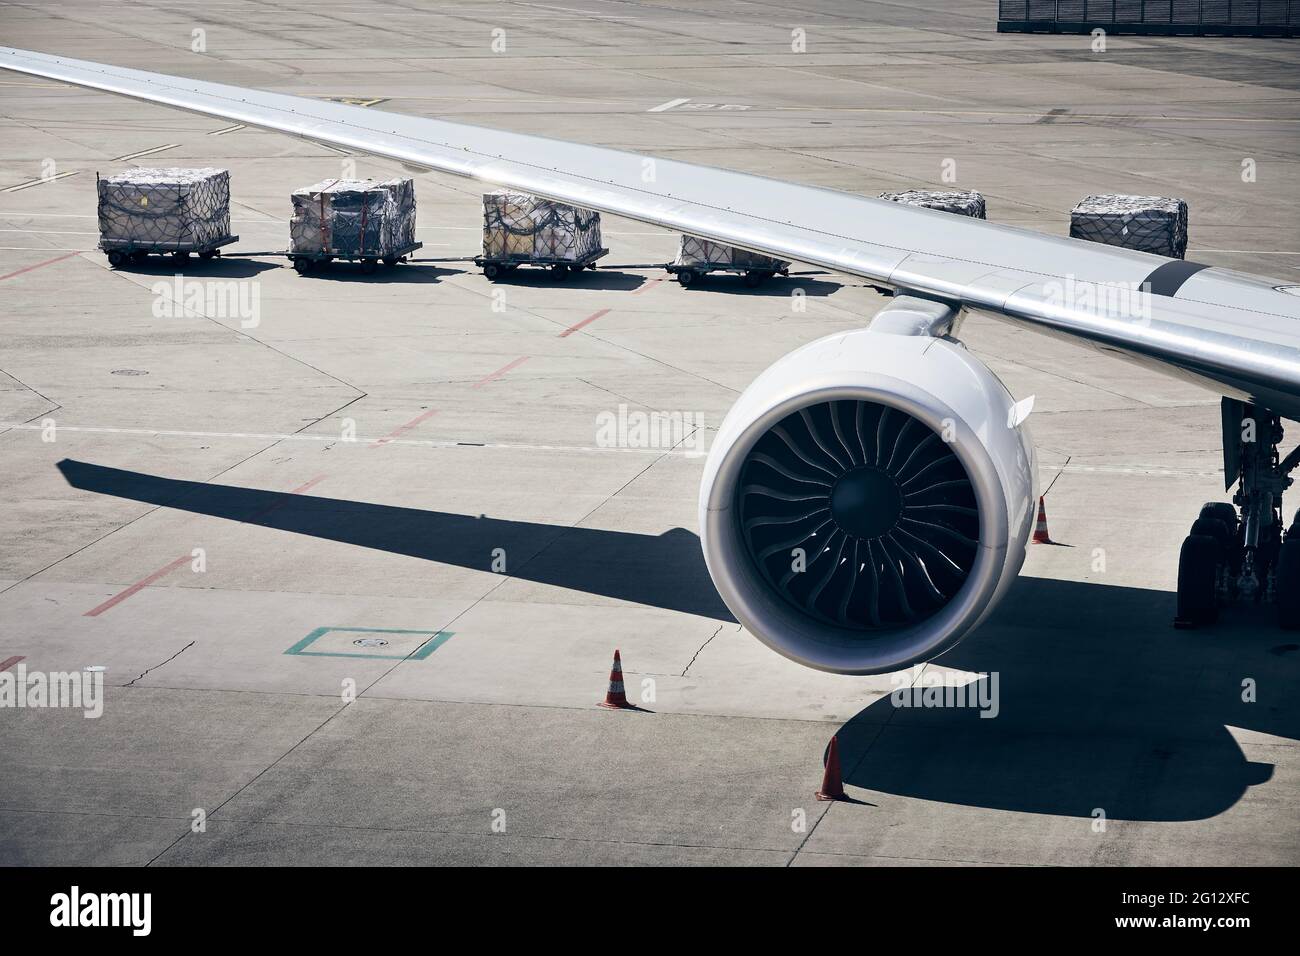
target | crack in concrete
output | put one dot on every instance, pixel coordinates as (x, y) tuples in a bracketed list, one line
[(702, 647), (156, 666)]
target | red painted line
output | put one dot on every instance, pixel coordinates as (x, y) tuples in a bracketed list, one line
[(305, 485), (270, 509), (501, 371), (118, 598), (648, 286), (39, 265), (403, 429), (5, 665), (161, 573), (585, 322)]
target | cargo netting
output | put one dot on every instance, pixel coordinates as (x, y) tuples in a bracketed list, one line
[(522, 227), (164, 209), (1147, 223), (353, 218), (694, 251), (960, 201)]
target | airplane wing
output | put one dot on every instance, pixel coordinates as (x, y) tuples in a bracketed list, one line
[(1236, 334)]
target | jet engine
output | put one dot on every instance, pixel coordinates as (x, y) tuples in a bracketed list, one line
[(867, 500)]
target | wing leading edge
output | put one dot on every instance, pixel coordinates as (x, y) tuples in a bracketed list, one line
[(1233, 333)]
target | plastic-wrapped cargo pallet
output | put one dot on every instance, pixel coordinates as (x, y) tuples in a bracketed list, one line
[(960, 201), (1147, 223), (522, 228), (704, 253), (164, 210), (351, 219)]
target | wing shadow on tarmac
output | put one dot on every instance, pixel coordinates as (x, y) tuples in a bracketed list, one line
[(665, 570), (1101, 705)]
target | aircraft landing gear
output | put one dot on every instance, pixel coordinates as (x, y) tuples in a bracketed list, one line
[(1240, 553)]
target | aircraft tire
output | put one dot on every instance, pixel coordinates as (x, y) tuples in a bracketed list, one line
[(1197, 563)]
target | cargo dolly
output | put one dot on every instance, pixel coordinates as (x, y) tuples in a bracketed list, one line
[(305, 262), (695, 271), (121, 252), (497, 266)]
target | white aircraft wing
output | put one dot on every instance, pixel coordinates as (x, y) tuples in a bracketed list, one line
[(1234, 333)]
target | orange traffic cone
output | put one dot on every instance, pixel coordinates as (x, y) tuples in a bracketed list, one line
[(1040, 533), (616, 696), (832, 783)]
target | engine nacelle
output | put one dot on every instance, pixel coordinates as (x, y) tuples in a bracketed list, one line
[(867, 501)]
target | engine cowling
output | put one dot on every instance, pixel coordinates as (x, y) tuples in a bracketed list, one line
[(867, 500)]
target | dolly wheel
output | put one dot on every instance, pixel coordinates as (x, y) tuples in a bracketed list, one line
[(302, 266), (492, 271), (391, 261), (559, 272), (687, 277), (369, 265), (207, 254), (116, 258), (180, 255), (753, 279)]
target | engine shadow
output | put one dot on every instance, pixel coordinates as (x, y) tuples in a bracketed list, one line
[(1100, 706), (665, 570)]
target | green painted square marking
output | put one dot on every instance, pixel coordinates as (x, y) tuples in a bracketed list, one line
[(338, 642)]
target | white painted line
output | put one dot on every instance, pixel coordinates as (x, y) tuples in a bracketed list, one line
[(665, 107), (42, 249), (36, 182), (1252, 252), (228, 129), (359, 442), (145, 152), (50, 232)]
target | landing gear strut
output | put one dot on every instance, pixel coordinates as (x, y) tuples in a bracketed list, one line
[(1240, 553)]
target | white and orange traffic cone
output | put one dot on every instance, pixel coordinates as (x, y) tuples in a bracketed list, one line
[(1040, 532), (616, 696), (832, 779)]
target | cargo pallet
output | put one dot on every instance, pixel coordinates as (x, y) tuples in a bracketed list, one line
[(496, 267), (304, 262), (120, 252), (696, 271)]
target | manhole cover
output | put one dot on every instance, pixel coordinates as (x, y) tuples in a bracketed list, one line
[(370, 642), (128, 371)]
